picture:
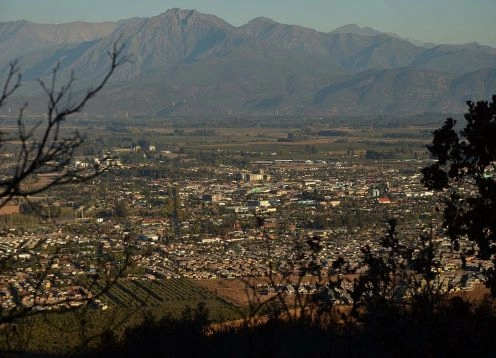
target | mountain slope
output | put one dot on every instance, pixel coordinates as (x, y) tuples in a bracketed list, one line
[(457, 58), (20, 38), (188, 63)]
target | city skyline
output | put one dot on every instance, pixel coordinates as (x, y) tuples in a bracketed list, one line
[(442, 21)]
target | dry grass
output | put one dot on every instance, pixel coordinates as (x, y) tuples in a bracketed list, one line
[(235, 291)]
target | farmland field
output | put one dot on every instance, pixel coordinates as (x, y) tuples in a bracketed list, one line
[(162, 296), (128, 302)]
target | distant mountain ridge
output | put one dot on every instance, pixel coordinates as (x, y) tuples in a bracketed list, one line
[(206, 66)]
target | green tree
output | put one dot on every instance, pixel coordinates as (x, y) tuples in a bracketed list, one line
[(121, 208), (465, 171)]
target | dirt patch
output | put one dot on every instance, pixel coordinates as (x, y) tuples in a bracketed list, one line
[(242, 291), (9, 209), (477, 294), (236, 291)]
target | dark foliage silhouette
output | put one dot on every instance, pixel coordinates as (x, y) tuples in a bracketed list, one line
[(465, 171)]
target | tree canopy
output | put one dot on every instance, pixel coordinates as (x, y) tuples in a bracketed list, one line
[(465, 171)]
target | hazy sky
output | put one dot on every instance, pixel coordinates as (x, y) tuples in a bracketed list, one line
[(439, 21)]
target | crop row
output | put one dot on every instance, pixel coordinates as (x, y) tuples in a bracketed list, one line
[(145, 287), (135, 293)]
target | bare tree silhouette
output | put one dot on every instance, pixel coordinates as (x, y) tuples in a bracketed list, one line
[(42, 147), (46, 147)]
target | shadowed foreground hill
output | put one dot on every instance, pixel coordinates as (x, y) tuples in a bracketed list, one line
[(456, 329)]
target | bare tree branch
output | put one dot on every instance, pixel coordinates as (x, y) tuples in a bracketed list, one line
[(42, 149), (12, 82)]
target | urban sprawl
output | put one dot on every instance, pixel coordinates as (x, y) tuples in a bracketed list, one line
[(219, 223)]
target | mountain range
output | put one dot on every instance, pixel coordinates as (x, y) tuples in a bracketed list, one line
[(187, 63)]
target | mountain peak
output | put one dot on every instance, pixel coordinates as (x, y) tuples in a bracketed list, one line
[(262, 20), (193, 17), (258, 25), (181, 13), (181, 16)]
